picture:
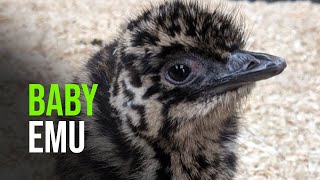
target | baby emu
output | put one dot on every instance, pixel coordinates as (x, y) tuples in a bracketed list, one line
[(169, 90)]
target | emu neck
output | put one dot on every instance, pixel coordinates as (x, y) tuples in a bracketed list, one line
[(203, 150), (198, 133)]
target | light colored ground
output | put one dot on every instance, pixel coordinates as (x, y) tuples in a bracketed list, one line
[(46, 41)]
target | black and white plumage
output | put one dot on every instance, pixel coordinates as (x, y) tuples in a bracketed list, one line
[(169, 90)]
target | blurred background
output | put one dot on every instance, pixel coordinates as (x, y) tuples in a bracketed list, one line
[(47, 41)]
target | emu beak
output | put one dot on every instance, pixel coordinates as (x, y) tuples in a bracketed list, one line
[(248, 66), (244, 67)]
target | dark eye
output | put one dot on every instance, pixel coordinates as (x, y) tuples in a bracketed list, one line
[(179, 72)]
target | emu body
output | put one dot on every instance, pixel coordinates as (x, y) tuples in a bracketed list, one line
[(169, 92)]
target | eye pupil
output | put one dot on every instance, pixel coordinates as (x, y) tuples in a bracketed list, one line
[(179, 72)]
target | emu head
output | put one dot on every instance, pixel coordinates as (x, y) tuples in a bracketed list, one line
[(178, 63)]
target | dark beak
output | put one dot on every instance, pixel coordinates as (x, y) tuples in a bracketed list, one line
[(244, 67), (250, 66)]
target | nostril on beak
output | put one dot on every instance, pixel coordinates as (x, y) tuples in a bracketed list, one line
[(251, 64)]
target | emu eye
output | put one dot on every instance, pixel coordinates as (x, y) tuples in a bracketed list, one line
[(179, 72)]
